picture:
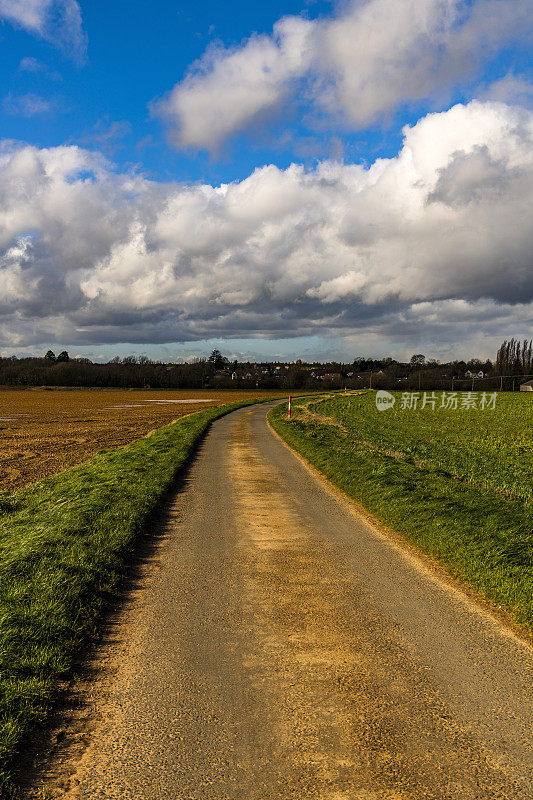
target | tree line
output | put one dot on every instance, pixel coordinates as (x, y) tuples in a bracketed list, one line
[(514, 359)]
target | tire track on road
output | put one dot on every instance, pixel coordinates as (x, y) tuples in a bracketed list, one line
[(358, 716)]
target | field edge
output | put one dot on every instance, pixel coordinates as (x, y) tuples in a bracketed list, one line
[(499, 577)]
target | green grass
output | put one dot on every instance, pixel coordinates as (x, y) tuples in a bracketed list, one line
[(63, 542), (480, 535), (493, 447)]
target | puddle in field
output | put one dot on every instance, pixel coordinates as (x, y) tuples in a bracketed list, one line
[(189, 400), (158, 402), (114, 408)]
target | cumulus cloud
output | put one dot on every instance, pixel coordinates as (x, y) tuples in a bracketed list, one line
[(229, 89), (425, 241), (57, 21), (359, 66), (380, 54)]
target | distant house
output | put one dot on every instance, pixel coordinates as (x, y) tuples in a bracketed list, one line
[(479, 374), (330, 376), (526, 387)]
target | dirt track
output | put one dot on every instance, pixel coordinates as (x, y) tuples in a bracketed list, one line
[(278, 647)]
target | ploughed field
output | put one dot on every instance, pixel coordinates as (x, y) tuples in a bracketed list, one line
[(485, 440), (42, 432)]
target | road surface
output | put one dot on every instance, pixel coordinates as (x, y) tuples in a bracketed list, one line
[(280, 647)]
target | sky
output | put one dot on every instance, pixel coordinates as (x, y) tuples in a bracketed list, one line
[(285, 180)]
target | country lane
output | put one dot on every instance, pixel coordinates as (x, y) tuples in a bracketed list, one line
[(278, 646)]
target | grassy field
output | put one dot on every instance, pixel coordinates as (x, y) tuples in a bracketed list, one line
[(490, 446), (63, 541), (456, 484), (42, 432)]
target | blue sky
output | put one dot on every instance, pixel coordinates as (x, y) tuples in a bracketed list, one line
[(180, 96), (136, 52)]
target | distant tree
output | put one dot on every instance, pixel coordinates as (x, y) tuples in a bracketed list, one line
[(63, 357), (50, 356), (418, 360), (515, 358), (217, 360), (361, 364), (475, 365)]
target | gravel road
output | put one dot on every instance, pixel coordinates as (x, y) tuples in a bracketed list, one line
[(278, 646)]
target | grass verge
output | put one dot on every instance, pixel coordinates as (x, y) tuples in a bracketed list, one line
[(63, 542), (481, 537)]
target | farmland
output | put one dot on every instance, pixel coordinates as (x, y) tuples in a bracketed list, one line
[(456, 484), (43, 432), (492, 447), (64, 540)]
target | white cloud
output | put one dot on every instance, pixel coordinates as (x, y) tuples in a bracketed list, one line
[(27, 105), (30, 64), (381, 53), (57, 21), (509, 89), (423, 244), (229, 89), (359, 66), (339, 288)]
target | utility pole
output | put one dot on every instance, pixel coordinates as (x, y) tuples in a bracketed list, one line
[(501, 383), (370, 380)]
